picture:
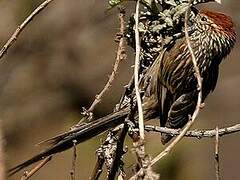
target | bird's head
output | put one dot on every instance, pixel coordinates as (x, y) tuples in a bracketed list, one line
[(215, 31), (217, 22)]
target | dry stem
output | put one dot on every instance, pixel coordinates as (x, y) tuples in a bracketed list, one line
[(74, 158), (217, 155), (27, 175), (195, 133), (20, 28), (138, 142), (120, 56), (98, 168), (118, 154), (136, 73)]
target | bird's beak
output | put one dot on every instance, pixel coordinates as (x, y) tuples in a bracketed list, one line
[(218, 1)]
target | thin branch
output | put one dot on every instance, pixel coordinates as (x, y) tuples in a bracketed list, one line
[(195, 133), (98, 168), (74, 158), (138, 139), (120, 56), (217, 155), (139, 149), (20, 28), (136, 73), (27, 175), (117, 160), (117, 163), (167, 150)]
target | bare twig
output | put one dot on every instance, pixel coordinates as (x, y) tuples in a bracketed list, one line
[(118, 154), (98, 168), (138, 142), (217, 155), (20, 28), (195, 133), (136, 73), (74, 158), (27, 174), (139, 149), (120, 56)]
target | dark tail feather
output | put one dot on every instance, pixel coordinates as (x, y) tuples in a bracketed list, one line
[(80, 134), (59, 137)]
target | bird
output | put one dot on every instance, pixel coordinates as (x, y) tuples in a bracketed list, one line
[(171, 94)]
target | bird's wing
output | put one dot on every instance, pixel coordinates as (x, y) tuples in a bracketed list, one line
[(179, 112), (177, 98), (157, 99)]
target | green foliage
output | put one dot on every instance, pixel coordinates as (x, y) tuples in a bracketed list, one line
[(113, 3)]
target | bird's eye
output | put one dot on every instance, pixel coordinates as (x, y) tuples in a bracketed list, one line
[(204, 18)]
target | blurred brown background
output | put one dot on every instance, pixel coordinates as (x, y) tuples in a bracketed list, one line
[(62, 60)]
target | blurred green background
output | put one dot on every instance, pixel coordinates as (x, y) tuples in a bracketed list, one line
[(62, 60)]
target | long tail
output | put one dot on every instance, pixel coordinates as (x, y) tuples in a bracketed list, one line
[(82, 133)]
